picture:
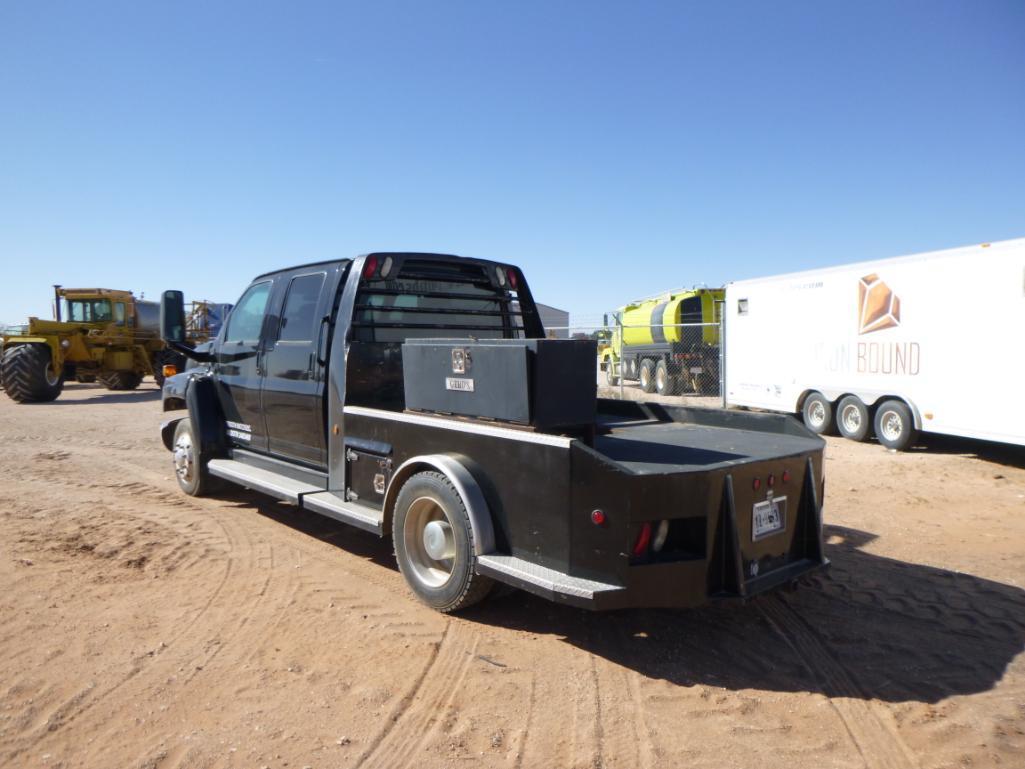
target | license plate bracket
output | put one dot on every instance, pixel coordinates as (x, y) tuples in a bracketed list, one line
[(768, 517)]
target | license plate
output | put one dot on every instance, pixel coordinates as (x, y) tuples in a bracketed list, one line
[(768, 517)]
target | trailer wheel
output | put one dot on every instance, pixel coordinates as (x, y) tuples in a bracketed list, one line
[(817, 413), (852, 418), (895, 426), (189, 466), (663, 382), (434, 544), (647, 376)]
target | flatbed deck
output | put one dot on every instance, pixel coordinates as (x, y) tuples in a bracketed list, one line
[(652, 447)]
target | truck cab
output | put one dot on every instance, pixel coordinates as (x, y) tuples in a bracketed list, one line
[(415, 395)]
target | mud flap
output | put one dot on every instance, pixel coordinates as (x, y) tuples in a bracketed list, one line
[(206, 418)]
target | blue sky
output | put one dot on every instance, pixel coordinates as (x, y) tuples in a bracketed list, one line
[(613, 150)]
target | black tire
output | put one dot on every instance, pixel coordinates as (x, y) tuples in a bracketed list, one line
[(852, 418), (120, 380), (189, 463), (663, 381), (817, 413), (647, 376), (895, 425), (610, 377), (28, 375), (446, 584)]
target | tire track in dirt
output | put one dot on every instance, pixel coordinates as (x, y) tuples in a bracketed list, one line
[(414, 719), (869, 725)]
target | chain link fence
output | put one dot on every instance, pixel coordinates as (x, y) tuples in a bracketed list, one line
[(672, 363)]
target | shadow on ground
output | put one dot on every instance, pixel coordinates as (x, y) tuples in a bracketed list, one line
[(869, 628), (102, 396)]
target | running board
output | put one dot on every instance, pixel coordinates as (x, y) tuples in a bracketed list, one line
[(306, 495), (545, 582), (275, 484), (333, 505)]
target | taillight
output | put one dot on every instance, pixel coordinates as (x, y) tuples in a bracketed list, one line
[(597, 517), (757, 483), (771, 480), (786, 476), (369, 267), (514, 279), (643, 540)]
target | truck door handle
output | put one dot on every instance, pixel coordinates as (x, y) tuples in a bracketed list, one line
[(321, 339)]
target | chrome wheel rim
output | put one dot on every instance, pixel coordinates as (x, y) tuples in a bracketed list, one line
[(817, 414), (660, 380), (891, 425), (429, 542), (184, 461), (851, 419), (52, 377)]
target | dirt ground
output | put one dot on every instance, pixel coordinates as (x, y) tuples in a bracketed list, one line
[(144, 629)]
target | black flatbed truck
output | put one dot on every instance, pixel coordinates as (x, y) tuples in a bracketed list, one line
[(415, 395)]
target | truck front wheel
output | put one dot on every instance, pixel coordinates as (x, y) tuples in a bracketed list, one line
[(189, 466), (895, 426), (434, 544), (852, 418)]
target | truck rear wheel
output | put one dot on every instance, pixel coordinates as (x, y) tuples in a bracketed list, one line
[(610, 373), (895, 425), (663, 381), (120, 380), (817, 413), (647, 376), (29, 375), (852, 418), (434, 544)]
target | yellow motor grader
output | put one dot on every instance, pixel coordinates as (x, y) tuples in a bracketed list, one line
[(98, 334)]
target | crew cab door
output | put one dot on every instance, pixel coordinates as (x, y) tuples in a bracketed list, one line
[(238, 368), (294, 361)]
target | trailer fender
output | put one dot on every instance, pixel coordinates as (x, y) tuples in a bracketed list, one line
[(469, 490)]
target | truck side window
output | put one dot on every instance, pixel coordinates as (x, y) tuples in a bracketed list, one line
[(299, 318), (246, 320), (742, 307), (119, 313)]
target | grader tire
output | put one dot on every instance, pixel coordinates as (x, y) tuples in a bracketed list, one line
[(120, 380), (27, 374)]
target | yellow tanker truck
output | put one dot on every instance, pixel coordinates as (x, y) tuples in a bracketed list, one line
[(652, 343)]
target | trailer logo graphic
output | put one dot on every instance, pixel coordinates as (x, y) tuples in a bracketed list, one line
[(878, 306)]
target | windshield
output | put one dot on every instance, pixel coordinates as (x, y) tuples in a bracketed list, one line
[(88, 310)]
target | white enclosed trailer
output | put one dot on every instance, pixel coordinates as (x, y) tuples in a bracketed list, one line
[(932, 342)]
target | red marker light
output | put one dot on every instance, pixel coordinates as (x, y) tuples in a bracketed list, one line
[(757, 484), (369, 267), (514, 279), (643, 540), (786, 476), (598, 517), (771, 480)]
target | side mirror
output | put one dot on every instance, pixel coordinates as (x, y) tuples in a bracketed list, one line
[(172, 316)]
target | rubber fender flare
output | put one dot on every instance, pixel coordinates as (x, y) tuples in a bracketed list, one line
[(206, 417), (465, 484), (167, 428)]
